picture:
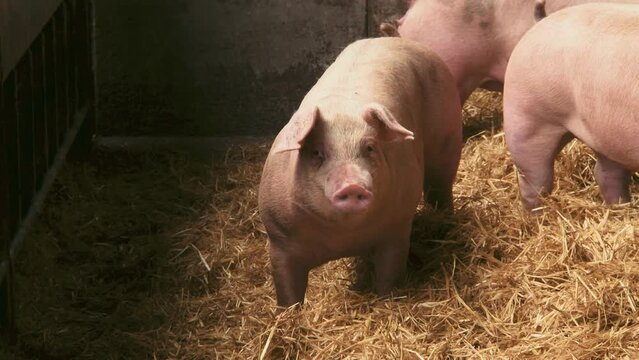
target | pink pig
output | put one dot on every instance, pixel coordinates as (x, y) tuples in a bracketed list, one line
[(474, 37), (344, 176), (575, 74)]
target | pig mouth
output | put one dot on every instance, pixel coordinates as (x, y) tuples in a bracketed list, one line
[(352, 199)]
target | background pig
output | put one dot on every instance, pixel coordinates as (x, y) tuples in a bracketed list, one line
[(575, 74), (475, 37), (345, 175)]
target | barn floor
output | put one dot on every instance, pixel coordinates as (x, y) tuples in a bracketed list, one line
[(158, 256)]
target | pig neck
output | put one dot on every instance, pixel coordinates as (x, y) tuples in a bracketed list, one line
[(477, 58), (470, 75)]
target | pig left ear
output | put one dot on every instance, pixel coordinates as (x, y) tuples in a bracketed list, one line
[(295, 132), (379, 117)]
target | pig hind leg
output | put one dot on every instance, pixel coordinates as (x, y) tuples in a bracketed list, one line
[(290, 276), (613, 180), (533, 147)]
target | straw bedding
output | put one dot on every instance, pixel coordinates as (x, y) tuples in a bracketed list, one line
[(156, 256)]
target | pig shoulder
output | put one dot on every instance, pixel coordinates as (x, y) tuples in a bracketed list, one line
[(275, 190), (382, 65)]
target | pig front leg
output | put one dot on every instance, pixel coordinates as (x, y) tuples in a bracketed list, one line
[(533, 148), (438, 189), (389, 259), (290, 276), (439, 175), (613, 180)]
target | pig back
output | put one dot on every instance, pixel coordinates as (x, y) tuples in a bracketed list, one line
[(590, 87)]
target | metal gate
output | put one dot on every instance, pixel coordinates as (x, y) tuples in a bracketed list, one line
[(47, 102)]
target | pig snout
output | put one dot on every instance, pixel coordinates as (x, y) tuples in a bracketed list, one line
[(349, 189), (352, 198)]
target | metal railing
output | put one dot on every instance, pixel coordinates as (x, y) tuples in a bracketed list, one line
[(47, 102)]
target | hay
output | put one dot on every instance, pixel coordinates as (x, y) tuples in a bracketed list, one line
[(155, 256)]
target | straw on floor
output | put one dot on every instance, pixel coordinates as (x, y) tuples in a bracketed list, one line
[(155, 256)]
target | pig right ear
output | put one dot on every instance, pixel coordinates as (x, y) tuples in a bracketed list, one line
[(295, 132), (540, 10), (388, 128), (388, 29)]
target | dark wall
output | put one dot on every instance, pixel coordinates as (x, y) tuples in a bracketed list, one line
[(218, 67)]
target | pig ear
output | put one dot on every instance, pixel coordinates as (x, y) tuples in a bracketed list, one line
[(540, 9), (378, 116), (388, 29), (297, 129)]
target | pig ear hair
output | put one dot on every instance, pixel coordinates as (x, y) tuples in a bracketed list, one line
[(295, 132), (378, 116)]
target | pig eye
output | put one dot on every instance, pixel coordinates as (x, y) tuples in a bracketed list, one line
[(317, 157), (370, 149), (318, 154)]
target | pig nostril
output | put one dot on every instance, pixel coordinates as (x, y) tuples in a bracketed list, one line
[(351, 198)]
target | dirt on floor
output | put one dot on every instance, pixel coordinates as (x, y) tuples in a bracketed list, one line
[(159, 256)]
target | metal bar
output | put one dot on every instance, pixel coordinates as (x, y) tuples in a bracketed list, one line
[(84, 88), (71, 48), (7, 318), (53, 88), (9, 114), (7, 294), (61, 78), (26, 156), (47, 103), (38, 113), (49, 178)]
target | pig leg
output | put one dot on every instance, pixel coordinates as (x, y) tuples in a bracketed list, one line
[(438, 190), (290, 276), (389, 259), (613, 180), (533, 147), (439, 176)]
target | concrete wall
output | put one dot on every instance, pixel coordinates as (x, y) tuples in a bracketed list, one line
[(218, 67), (20, 23)]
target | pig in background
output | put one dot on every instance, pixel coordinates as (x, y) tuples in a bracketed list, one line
[(475, 38), (345, 175), (575, 74)]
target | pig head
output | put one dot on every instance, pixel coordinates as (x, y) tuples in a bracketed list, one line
[(337, 160)]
